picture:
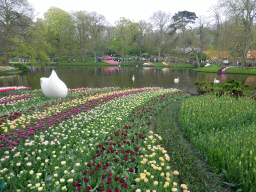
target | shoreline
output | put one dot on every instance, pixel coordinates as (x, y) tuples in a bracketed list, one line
[(9, 70)]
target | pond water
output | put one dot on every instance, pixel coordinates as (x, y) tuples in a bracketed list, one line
[(114, 76)]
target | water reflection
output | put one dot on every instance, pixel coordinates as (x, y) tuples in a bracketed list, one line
[(114, 76)]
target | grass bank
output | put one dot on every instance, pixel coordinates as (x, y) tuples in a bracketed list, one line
[(212, 69), (236, 70), (193, 170)]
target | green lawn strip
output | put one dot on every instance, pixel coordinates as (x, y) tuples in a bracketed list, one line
[(180, 65), (230, 70), (79, 63), (194, 172), (239, 70), (208, 69)]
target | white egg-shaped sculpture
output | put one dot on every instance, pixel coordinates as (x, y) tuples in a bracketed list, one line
[(53, 87)]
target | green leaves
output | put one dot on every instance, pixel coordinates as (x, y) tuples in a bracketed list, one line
[(224, 129), (125, 36), (59, 30)]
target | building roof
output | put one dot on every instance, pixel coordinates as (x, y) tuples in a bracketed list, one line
[(251, 54), (217, 54), (224, 54)]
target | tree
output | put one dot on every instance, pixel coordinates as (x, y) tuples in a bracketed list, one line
[(193, 41), (160, 20), (125, 36), (96, 32), (180, 21), (82, 24), (32, 45), (14, 18), (144, 29), (243, 9), (60, 31)]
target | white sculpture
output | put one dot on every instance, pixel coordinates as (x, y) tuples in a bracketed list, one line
[(176, 80), (53, 87)]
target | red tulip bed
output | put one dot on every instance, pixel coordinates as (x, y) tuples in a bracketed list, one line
[(92, 140), (12, 90)]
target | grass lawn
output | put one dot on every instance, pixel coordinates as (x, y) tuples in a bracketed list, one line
[(81, 63), (215, 69), (239, 70), (212, 69), (181, 65)]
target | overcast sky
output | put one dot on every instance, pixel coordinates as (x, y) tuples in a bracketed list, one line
[(134, 10)]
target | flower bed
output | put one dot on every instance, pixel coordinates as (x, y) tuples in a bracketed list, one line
[(223, 128), (100, 142)]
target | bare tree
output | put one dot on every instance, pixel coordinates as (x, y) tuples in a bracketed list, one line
[(244, 10), (160, 20), (82, 22), (143, 29), (96, 29)]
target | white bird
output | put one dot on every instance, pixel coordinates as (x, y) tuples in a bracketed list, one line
[(176, 80), (53, 87), (216, 80), (133, 78), (136, 65)]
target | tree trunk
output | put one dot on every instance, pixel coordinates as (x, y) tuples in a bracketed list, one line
[(6, 47), (183, 46), (198, 64), (95, 59), (247, 24), (197, 61), (219, 62), (245, 51)]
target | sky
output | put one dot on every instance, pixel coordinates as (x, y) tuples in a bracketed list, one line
[(134, 10)]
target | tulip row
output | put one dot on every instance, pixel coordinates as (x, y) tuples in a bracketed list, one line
[(100, 147), (5, 89), (63, 110), (32, 113), (223, 128)]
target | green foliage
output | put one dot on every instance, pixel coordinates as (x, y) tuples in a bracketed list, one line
[(232, 87), (223, 129), (2, 59), (59, 27), (125, 43), (21, 66), (181, 19)]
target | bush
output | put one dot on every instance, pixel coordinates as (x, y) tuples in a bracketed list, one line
[(21, 67)]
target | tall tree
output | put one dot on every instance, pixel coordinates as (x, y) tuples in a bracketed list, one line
[(60, 31), (245, 10), (14, 18), (96, 31), (32, 45), (160, 20), (144, 28), (125, 35), (82, 23), (180, 21)]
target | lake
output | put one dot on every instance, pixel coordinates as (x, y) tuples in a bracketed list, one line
[(114, 76)]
